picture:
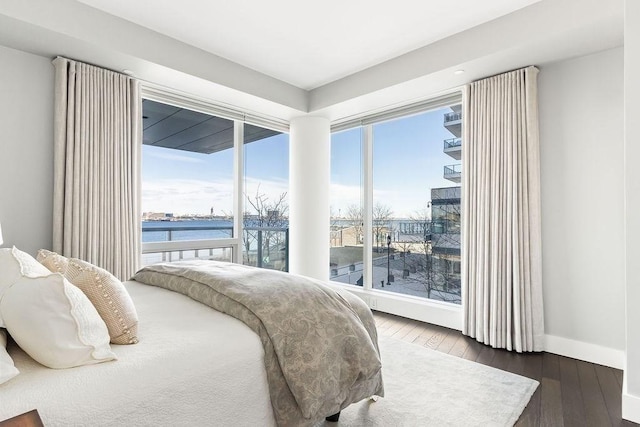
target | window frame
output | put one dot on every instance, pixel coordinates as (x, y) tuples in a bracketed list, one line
[(163, 95), (433, 311)]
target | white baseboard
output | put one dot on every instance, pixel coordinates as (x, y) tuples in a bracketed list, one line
[(630, 404), (585, 351), (450, 316)]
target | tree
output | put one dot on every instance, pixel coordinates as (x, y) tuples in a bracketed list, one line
[(441, 230), (356, 220), (380, 220), (336, 225), (262, 212)]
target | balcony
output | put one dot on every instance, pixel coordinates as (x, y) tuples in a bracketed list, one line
[(264, 247), (453, 123), (453, 147), (453, 173)]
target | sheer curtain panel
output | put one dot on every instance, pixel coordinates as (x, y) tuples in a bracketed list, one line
[(97, 143), (501, 253)]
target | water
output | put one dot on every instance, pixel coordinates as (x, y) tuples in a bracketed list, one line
[(162, 231), (202, 229), (272, 254)]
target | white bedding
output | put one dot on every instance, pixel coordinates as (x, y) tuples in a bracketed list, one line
[(192, 366)]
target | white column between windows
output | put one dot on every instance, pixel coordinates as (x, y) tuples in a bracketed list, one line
[(309, 177)]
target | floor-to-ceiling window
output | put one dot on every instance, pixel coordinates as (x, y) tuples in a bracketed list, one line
[(412, 195), (346, 236), (213, 187), (265, 241)]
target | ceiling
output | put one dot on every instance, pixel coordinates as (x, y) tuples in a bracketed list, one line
[(287, 58), (308, 44)]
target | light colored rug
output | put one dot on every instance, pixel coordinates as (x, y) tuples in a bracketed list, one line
[(424, 387)]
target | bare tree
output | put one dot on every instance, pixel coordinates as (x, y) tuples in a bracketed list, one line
[(437, 249), (335, 228), (355, 218), (262, 212), (380, 221), (404, 247)]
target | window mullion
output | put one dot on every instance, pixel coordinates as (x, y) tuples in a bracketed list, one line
[(367, 205), (238, 200)]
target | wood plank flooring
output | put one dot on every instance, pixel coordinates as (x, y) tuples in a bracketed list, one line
[(571, 392)]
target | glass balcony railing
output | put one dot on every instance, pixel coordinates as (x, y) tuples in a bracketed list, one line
[(452, 143), (452, 117), (264, 247), (452, 170)]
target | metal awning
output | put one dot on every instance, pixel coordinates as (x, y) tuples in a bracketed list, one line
[(181, 129)]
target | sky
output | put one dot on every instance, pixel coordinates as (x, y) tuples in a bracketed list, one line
[(182, 182), (408, 162)]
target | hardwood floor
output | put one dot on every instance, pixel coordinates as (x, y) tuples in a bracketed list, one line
[(571, 392)]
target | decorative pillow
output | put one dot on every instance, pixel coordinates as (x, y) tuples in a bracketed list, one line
[(7, 368), (56, 263), (14, 264), (105, 291), (55, 323), (110, 298)]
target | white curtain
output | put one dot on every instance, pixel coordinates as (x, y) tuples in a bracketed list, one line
[(97, 143), (501, 252)]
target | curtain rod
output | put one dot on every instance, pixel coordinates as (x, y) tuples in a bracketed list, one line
[(93, 65), (507, 72)]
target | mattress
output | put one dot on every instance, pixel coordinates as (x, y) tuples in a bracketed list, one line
[(192, 366)]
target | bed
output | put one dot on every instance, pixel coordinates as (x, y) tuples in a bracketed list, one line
[(193, 366)]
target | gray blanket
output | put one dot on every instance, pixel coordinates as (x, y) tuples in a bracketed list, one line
[(321, 346)]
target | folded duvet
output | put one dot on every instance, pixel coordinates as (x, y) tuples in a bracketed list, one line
[(321, 350)]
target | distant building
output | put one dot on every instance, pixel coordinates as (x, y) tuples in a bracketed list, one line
[(156, 216), (445, 235), (445, 207), (345, 236), (453, 146), (274, 214), (445, 220)]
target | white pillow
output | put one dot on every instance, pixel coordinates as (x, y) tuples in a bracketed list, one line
[(7, 368), (55, 323), (13, 265)]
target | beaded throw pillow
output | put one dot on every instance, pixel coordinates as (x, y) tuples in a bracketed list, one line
[(110, 298), (104, 290), (56, 263)]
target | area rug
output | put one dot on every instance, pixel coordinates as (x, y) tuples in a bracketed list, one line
[(424, 387)]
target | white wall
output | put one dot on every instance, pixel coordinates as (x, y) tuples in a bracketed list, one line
[(26, 149), (582, 159), (631, 391)]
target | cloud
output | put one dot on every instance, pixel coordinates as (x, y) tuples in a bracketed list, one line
[(193, 196), (272, 188), (187, 196), (174, 157)]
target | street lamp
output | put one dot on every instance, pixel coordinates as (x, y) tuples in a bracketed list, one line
[(388, 259)]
